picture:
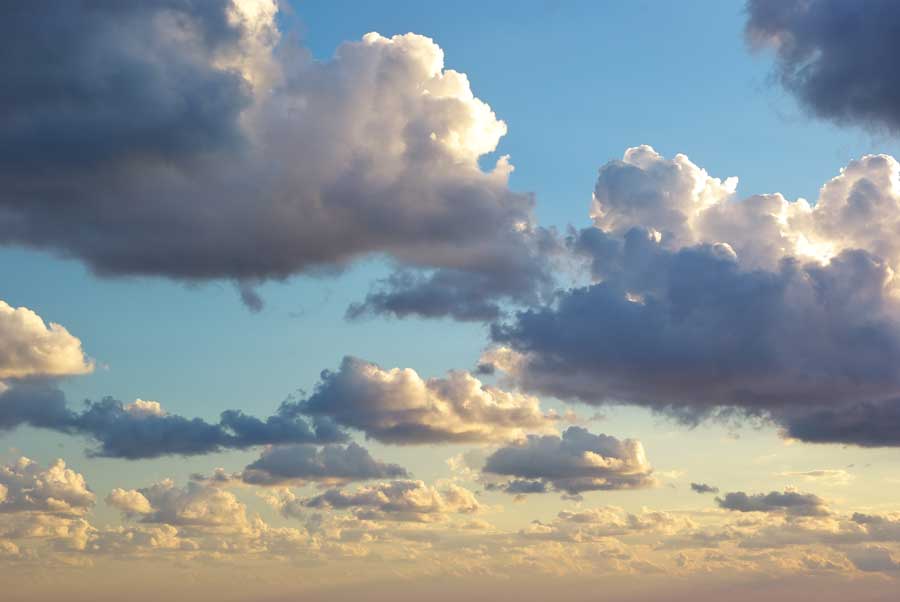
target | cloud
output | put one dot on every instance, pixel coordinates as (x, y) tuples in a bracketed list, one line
[(703, 303), (178, 124), (195, 505), (31, 348), (399, 406), (598, 524), (297, 464), (143, 429), (874, 559), (789, 502), (832, 56), (26, 487), (833, 476), (703, 488), (404, 500), (578, 461)]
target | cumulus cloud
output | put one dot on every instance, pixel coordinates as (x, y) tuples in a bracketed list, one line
[(334, 464), (792, 503), (29, 347), (26, 487), (399, 406), (703, 488), (576, 462), (195, 505), (833, 56), (178, 124), (703, 301), (142, 429), (405, 500)]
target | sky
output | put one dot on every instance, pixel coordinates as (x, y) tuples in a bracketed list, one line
[(319, 300)]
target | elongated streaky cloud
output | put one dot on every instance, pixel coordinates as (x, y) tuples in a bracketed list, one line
[(834, 56), (789, 502), (143, 430), (205, 146), (399, 406), (703, 302)]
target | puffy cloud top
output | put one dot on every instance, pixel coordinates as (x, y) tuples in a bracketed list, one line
[(702, 301), (29, 347), (26, 487), (398, 406), (178, 124)]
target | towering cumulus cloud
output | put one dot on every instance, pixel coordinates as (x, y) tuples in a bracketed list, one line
[(187, 140), (702, 301), (834, 56)]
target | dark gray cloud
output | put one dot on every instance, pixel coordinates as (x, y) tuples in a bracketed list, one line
[(330, 463), (398, 406), (576, 462), (186, 139), (834, 56), (691, 331), (704, 488), (703, 304), (142, 430), (791, 503)]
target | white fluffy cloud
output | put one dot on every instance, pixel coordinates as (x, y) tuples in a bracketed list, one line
[(29, 347), (398, 406), (26, 487), (196, 505)]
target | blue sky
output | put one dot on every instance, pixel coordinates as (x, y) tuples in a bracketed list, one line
[(577, 83)]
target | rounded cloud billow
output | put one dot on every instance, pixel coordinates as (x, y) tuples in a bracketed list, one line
[(203, 146), (702, 302)]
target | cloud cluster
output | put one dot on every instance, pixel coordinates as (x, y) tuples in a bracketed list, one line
[(598, 524), (576, 462), (399, 406), (26, 487), (702, 301), (402, 500), (194, 505), (832, 56), (191, 141)]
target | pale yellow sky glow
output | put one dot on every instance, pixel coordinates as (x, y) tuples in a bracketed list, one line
[(280, 321)]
